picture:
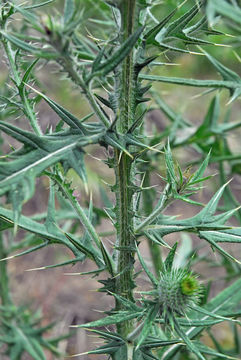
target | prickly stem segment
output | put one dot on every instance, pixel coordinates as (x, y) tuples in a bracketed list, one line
[(125, 169)]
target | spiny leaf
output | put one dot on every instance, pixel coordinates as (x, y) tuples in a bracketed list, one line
[(147, 271), (118, 56), (28, 251), (23, 45), (111, 319), (211, 207), (213, 243), (209, 351), (106, 335), (69, 10), (117, 350), (38, 5), (39, 229), (34, 162), (210, 314), (197, 176), (216, 84), (89, 252), (150, 35), (27, 75), (107, 259), (66, 189), (223, 8), (29, 16), (68, 262), (112, 140), (192, 347), (171, 176), (64, 114), (147, 324), (170, 257)]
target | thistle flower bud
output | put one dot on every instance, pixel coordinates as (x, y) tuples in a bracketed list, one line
[(177, 290)]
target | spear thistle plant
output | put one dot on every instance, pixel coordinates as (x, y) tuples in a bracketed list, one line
[(115, 53)]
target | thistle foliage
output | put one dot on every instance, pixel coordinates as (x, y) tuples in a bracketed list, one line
[(115, 54)]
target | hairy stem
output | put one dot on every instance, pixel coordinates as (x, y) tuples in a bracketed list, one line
[(125, 170)]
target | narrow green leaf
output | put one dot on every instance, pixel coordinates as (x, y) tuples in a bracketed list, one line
[(150, 35), (27, 75), (27, 344), (23, 45), (211, 207), (85, 250), (69, 10), (192, 347), (170, 257), (107, 259), (39, 229), (198, 174), (118, 56), (216, 84), (210, 239), (28, 251), (111, 319), (112, 140), (145, 267), (107, 335), (223, 8), (64, 114), (38, 5), (148, 323), (68, 262), (210, 314), (171, 176), (29, 16)]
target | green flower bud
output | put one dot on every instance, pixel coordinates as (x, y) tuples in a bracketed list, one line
[(177, 290)]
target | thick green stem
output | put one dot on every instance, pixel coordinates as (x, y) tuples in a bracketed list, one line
[(4, 287), (125, 169)]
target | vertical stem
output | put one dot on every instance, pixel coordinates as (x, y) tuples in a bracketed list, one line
[(4, 288), (125, 169)]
